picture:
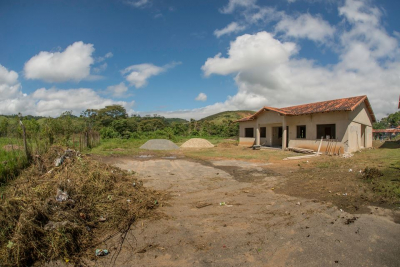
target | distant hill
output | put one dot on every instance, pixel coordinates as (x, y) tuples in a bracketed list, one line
[(228, 115), (176, 120)]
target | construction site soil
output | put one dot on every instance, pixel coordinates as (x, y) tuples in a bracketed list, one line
[(251, 213), (159, 144)]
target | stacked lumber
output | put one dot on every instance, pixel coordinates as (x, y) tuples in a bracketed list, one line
[(301, 150)]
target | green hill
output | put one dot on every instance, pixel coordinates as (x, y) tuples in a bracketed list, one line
[(176, 120), (227, 115)]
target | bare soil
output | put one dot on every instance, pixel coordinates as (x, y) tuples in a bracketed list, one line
[(249, 213)]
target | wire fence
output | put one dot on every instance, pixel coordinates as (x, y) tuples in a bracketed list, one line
[(24, 141)]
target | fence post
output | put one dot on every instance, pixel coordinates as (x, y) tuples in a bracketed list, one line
[(28, 156)]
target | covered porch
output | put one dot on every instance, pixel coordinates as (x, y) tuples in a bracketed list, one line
[(275, 135)]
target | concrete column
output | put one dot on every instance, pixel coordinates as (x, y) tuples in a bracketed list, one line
[(257, 134), (284, 133)]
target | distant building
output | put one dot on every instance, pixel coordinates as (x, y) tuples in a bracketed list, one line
[(345, 125)]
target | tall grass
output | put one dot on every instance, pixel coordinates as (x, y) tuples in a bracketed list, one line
[(12, 161)]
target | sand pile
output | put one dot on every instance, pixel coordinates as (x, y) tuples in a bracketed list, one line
[(159, 144), (197, 143)]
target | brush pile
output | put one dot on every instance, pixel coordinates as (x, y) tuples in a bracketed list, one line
[(64, 212)]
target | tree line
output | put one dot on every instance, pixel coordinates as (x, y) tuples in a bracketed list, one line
[(114, 122)]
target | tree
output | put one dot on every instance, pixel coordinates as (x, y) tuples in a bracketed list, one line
[(4, 127), (109, 113)]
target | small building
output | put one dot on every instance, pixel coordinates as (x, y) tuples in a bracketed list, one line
[(386, 133), (345, 125)]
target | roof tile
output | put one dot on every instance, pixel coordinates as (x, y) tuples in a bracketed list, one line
[(343, 104)]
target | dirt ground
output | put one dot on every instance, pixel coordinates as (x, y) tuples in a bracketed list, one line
[(242, 213)]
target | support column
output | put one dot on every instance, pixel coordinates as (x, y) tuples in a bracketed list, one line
[(257, 134), (284, 133)]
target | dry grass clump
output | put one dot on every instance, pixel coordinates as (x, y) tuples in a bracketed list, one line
[(101, 200), (228, 143)]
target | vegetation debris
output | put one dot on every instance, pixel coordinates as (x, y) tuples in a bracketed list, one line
[(61, 214)]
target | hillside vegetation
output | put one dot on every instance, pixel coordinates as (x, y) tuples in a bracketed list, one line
[(391, 121), (227, 115)]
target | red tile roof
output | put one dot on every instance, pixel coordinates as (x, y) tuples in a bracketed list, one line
[(343, 104)]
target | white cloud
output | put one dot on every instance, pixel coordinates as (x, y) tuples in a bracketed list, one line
[(106, 56), (7, 77), (73, 64), (100, 68), (137, 75), (11, 98), (233, 4), (267, 72), (117, 90), (49, 102), (358, 11), (248, 52), (138, 3), (201, 97), (230, 28), (306, 26)]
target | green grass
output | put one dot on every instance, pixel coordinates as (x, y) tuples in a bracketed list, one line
[(11, 162), (387, 160)]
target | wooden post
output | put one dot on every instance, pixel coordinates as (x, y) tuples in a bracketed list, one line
[(28, 156)]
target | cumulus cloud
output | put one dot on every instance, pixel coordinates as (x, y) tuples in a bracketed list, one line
[(7, 77), (306, 26), (117, 90), (138, 75), (230, 28), (73, 64), (249, 52), (201, 97), (49, 102), (11, 97), (268, 71)]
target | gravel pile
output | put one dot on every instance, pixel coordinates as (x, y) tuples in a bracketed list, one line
[(197, 143), (159, 144)]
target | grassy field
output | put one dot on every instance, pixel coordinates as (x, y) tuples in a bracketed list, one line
[(12, 159)]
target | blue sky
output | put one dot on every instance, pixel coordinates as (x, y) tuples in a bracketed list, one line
[(191, 59)]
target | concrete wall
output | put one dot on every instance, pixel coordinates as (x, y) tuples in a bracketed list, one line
[(269, 117), (359, 138), (246, 141), (360, 115), (340, 119)]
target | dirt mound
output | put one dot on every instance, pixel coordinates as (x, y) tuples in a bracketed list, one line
[(197, 143), (159, 144), (67, 212)]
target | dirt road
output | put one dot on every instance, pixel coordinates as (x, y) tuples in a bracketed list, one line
[(226, 213)]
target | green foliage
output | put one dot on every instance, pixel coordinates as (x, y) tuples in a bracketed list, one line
[(108, 133), (227, 116), (391, 121)]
